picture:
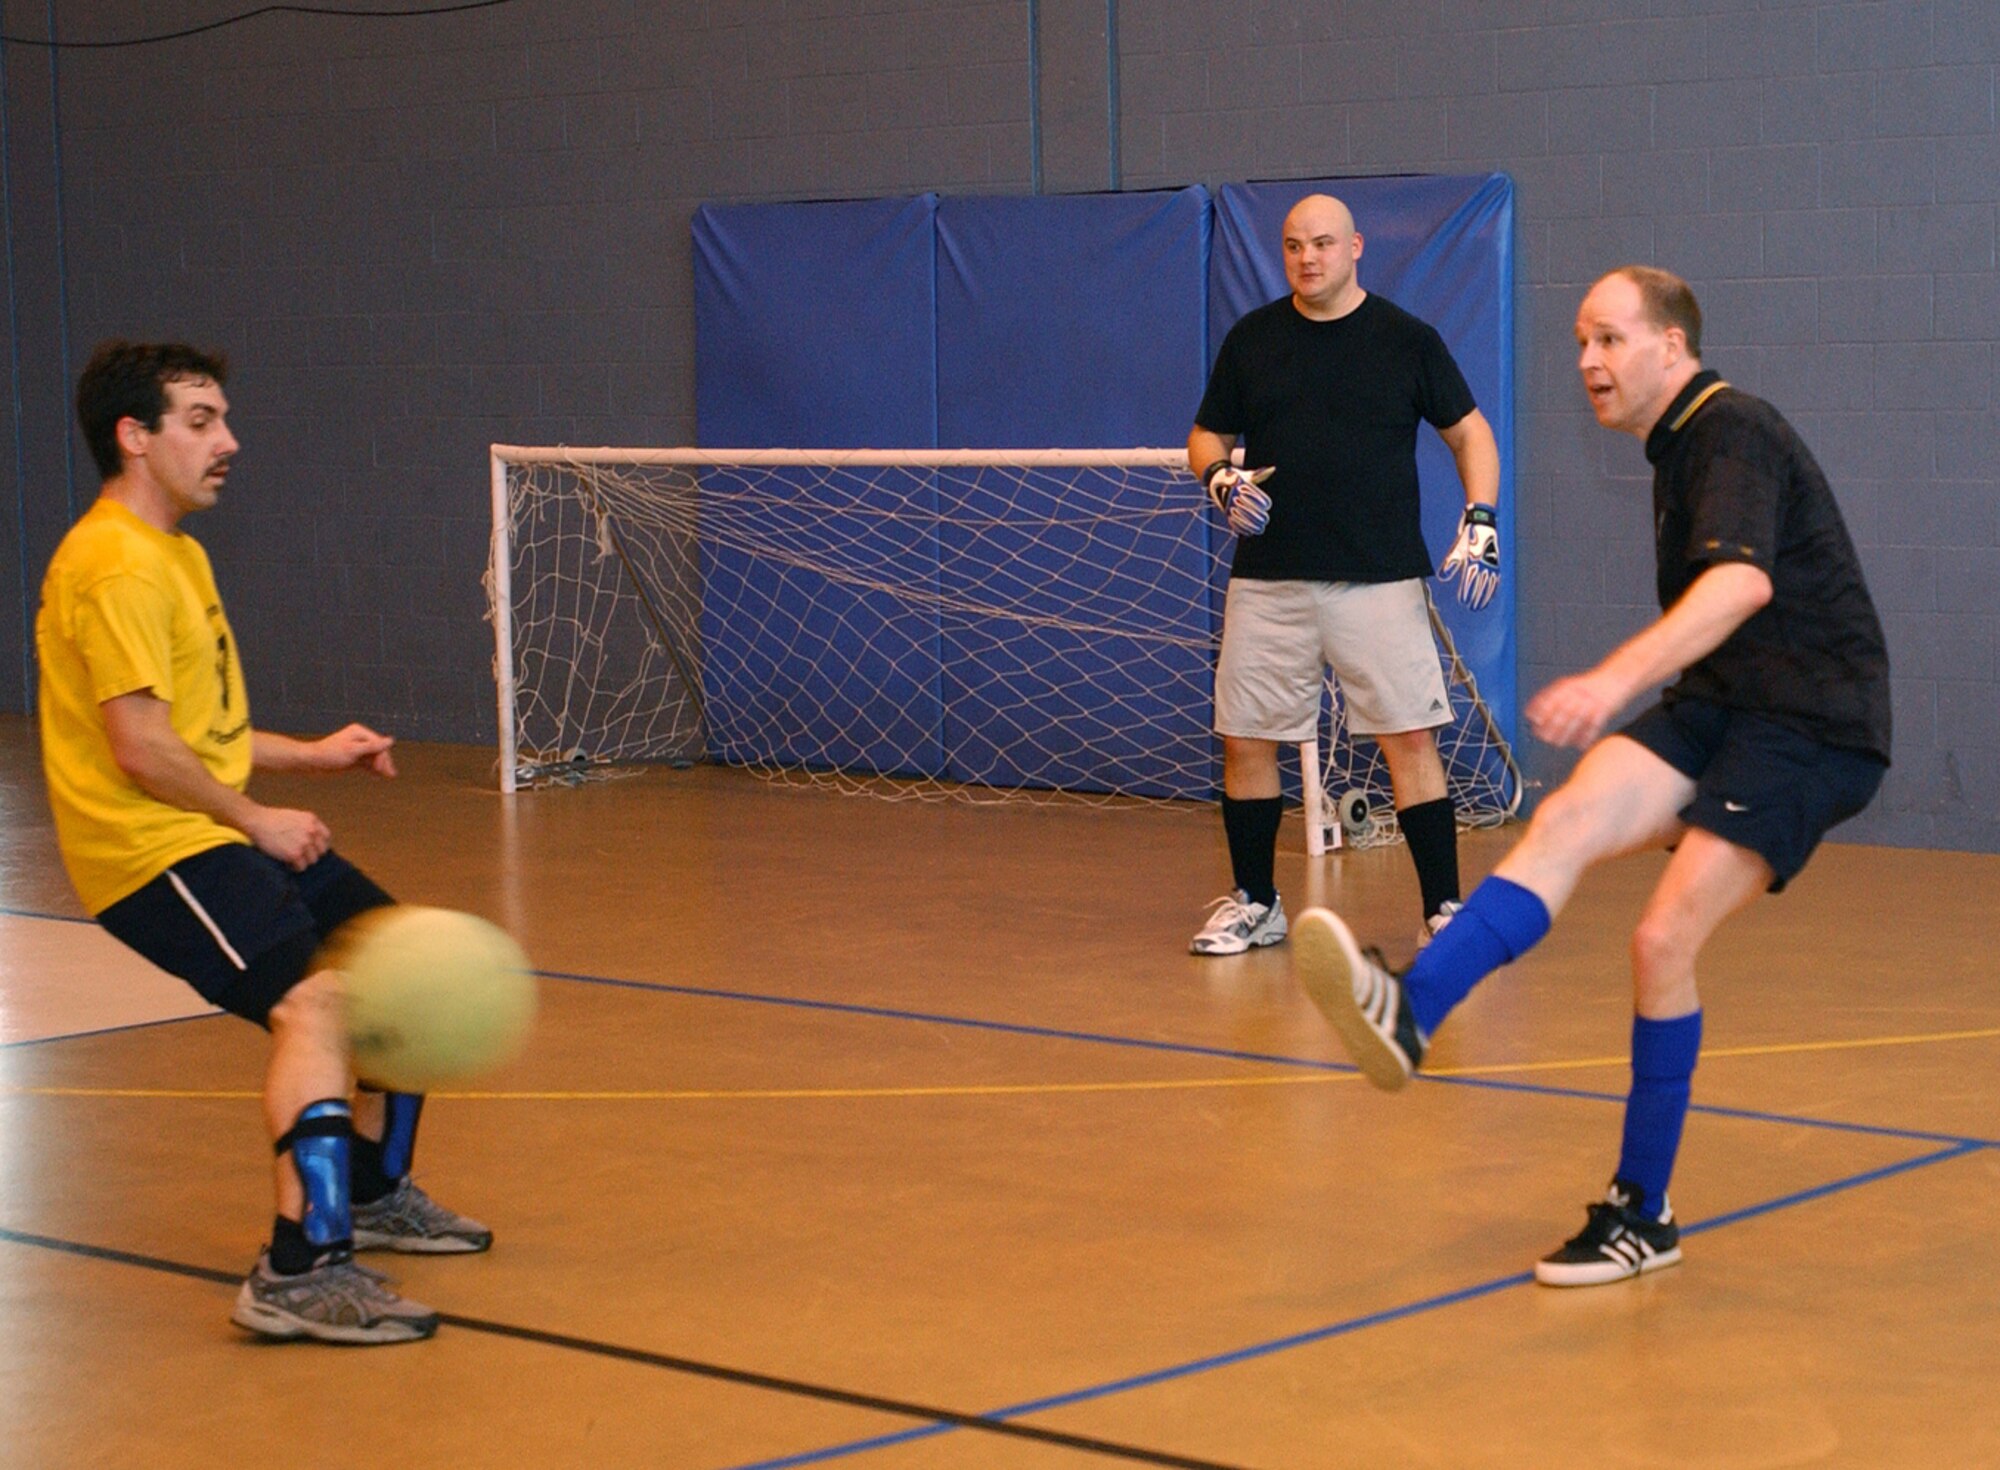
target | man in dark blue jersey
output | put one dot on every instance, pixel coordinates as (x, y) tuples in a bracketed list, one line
[(1776, 729)]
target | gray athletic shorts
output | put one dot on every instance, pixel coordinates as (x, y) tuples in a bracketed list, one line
[(1278, 637)]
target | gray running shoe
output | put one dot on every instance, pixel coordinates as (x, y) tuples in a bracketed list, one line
[(407, 1219), (336, 1301), (1360, 997), (1236, 924)]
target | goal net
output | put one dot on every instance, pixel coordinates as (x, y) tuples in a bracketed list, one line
[(985, 625)]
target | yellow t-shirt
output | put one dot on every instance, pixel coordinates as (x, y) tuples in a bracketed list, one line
[(127, 607)]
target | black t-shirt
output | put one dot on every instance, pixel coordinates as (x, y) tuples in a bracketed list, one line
[(1334, 406), (1732, 481)]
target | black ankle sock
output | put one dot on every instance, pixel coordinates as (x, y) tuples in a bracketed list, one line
[(366, 1181), (1252, 828), (291, 1252), (1431, 830)]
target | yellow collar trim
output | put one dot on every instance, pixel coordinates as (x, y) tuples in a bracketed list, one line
[(1700, 398)]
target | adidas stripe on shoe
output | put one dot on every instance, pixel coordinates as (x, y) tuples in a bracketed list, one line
[(1359, 997), (1617, 1242)]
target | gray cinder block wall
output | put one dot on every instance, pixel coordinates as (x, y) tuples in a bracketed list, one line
[(419, 235)]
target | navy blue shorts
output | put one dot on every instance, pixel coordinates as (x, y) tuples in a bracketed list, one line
[(238, 925), (1758, 784)]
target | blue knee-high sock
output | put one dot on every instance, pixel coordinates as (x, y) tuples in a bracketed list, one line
[(1500, 922), (1663, 1058)]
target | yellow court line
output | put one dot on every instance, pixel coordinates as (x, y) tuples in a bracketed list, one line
[(1716, 1053), (168, 1092), (1288, 1079), (1003, 1089)]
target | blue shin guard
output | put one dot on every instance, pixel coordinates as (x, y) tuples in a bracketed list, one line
[(399, 1131), (318, 1141)]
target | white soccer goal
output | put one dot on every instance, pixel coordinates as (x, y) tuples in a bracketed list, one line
[(974, 624)]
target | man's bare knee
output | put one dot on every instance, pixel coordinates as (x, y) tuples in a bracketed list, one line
[(1249, 767), (1661, 948), (1564, 820), (314, 1005)]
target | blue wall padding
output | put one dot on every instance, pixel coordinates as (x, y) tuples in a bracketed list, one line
[(815, 328), (815, 325), (1070, 321), (1442, 248), (1073, 321)]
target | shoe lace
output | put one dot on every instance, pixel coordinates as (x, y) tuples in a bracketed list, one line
[(1227, 910), (1603, 1223), (342, 1278)]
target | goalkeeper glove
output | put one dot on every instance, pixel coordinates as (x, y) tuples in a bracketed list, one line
[(1474, 562), (1239, 496)]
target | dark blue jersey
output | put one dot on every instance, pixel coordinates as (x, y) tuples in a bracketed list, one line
[(1732, 481)]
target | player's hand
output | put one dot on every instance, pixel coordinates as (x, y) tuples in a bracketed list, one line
[(1474, 562), (1239, 495), (1575, 710), (356, 745), (296, 839)]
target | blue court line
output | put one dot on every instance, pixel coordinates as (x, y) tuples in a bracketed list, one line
[(109, 1030), (975, 1023), (1342, 1328), (1716, 1110), (1182, 1048)]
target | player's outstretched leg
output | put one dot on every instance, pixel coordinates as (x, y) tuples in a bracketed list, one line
[(391, 1212)]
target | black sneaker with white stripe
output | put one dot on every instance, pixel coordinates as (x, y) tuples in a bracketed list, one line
[(1616, 1242)]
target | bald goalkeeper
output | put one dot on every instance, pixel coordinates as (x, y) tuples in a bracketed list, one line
[(1324, 390)]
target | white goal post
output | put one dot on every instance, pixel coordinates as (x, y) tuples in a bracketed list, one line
[(978, 624)]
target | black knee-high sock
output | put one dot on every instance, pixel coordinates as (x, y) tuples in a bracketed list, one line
[(1252, 826), (1431, 829)]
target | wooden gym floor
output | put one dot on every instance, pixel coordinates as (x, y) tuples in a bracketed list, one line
[(902, 1135)]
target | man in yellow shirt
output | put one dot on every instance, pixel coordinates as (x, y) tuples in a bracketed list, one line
[(148, 748)]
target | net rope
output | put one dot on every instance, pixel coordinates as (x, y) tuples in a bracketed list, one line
[(988, 627)]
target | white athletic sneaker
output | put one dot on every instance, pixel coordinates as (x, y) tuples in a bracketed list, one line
[(1236, 924), (1434, 925)]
